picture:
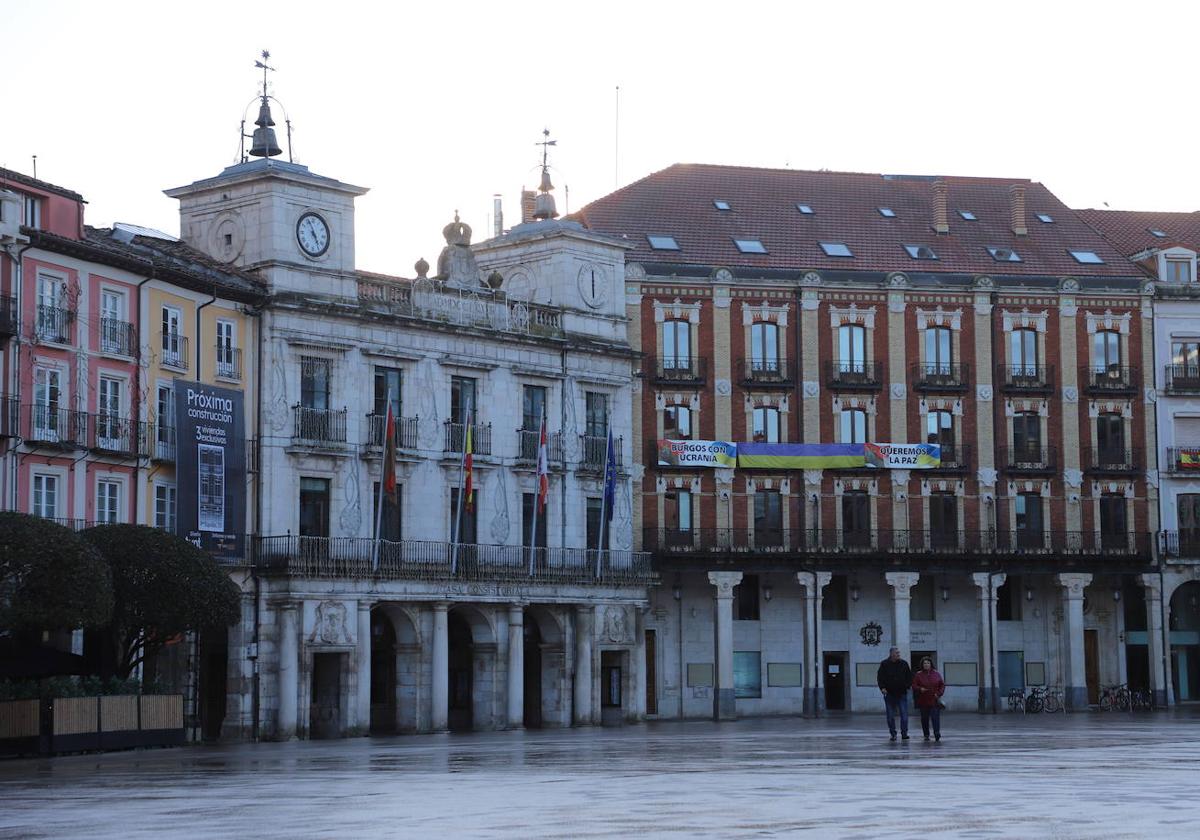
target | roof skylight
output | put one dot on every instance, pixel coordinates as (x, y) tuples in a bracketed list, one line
[(722, 204), (750, 246), (805, 209), (1045, 218), (662, 242), (920, 252), (968, 216), (1087, 257), (1004, 254), (887, 212), (836, 249), (1161, 234)]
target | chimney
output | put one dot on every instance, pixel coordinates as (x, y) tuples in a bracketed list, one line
[(498, 215), (1016, 195), (941, 216), (528, 199)]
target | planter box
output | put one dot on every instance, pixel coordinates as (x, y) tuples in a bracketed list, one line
[(20, 726)]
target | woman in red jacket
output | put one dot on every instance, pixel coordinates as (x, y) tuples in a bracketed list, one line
[(928, 688)]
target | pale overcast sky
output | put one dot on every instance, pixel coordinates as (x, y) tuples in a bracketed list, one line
[(436, 106)]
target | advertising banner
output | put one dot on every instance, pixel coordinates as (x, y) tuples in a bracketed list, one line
[(210, 468), (903, 456), (697, 453), (833, 456)]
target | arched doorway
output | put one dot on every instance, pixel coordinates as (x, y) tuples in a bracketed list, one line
[(461, 660), (533, 674), (383, 674), (1185, 642)]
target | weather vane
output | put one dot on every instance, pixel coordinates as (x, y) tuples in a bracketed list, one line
[(546, 144), (266, 54)]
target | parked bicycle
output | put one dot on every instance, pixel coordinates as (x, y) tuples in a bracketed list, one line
[(1036, 701), (1053, 700), (1016, 700), (1142, 700), (1115, 698)]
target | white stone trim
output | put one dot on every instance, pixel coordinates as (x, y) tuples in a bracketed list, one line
[(764, 313), (939, 318), (839, 316), (1024, 320), (677, 310), (1108, 321)]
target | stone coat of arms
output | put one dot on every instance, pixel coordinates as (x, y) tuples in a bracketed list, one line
[(871, 633)]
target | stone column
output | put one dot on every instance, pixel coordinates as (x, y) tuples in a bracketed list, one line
[(439, 684), (1076, 687), (289, 669), (988, 692), (814, 584), (584, 617), (516, 667), (902, 584), (724, 707), (1154, 638), (363, 653), (641, 679)]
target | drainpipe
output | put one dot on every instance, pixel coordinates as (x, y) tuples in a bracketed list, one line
[(137, 389), (198, 347)]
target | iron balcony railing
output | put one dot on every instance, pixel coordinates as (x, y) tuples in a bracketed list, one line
[(1178, 544), (593, 451), (886, 542), (680, 370), (157, 441), (1111, 459), (1028, 458), (55, 426), (765, 373), (117, 337), (529, 440), (10, 409), (479, 308), (10, 320), (355, 558), (173, 350), (941, 376), (113, 434), (1183, 459), (405, 432), (53, 323), (318, 426), (456, 438), (854, 374), (1182, 379), (955, 456), (228, 361), (1108, 379), (1025, 377)]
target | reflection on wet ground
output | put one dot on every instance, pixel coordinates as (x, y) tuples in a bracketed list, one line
[(1062, 776)]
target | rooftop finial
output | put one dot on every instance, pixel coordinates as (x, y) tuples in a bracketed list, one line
[(264, 144), (543, 207)]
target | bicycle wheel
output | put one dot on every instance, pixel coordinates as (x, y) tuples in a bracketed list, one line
[(1033, 705), (1106, 702), (1053, 703), (1123, 701)]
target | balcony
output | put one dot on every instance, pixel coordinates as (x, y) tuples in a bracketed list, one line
[(354, 558), (117, 338), (405, 432), (456, 438), (528, 441), (955, 457), (854, 375), (112, 435), (10, 410), (1183, 460), (1109, 379), (941, 376), (51, 425), (1025, 378), (1179, 544), (10, 321), (322, 428), (680, 371), (767, 373), (157, 442), (593, 449), (1182, 379), (477, 308), (228, 362), (1028, 459), (1108, 459), (53, 324), (173, 349)]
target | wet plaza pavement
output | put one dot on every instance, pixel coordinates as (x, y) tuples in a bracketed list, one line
[(1061, 776)]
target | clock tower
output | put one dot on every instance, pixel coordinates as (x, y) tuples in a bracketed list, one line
[(292, 226)]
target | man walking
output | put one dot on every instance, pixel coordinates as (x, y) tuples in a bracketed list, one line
[(895, 681)]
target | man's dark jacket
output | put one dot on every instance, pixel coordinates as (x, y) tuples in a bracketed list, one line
[(894, 677)]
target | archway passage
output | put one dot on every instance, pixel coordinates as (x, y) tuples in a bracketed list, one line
[(461, 716), (1185, 642), (214, 666), (533, 673), (383, 674)]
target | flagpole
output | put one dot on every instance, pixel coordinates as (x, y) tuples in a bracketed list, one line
[(382, 477), (537, 494), (462, 471), (603, 493)]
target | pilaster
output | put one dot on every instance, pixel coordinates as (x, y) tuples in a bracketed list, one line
[(1076, 688), (902, 584), (724, 705)]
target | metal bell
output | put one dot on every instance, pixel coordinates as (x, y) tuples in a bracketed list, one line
[(264, 144)]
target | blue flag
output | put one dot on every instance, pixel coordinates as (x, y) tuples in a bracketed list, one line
[(610, 477)]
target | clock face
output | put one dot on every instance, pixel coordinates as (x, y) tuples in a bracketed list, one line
[(593, 285), (312, 232)]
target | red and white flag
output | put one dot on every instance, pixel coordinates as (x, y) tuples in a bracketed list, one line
[(543, 469)]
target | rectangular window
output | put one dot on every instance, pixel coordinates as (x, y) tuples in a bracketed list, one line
[(768, 518), (108, 501), (32, 212), (1114, 531), (678, 510), (468, 530), (1023, 352), (677, 345), (938, 351), (387, 380), (596, 414), (750, 246), (835, 605), (745, 599), (856, 518), (314, 507), (923, 603), (1110, 438), (389, 524), (943, 519), (677, 422), (1027, 437), (533, 407), (852, 348), (766, 425), (1030, 525), (594, 521), (939, 428), (49, 423), (165, 507), (112, 323), (45, 496), (747, 673), (1009, 597), (315, 382), (109, 431), (164, 428), (52, 318), (853, 425), (528, 501), (173, 350), (764, 347), (1106, 350), (1188, 506), (1179, 271), (1186, 354), (226, 350)]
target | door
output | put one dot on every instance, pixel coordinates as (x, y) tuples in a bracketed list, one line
[(1011, 667), (109, 433), (1091, 664), (225, 350), (47, 397), (612, 700), (314, 517), (325, 712), (533, 674), (383, 674), (835, 681), (918, 655), (172, 343), (112, 323), (651, 673)]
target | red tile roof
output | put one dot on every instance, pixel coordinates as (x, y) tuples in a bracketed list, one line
[(1129, 230), (678, 202)]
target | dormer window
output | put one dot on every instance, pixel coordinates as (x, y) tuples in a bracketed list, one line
[(750, 246), (968, 216), (1045, 218), (1158, 234), (722, 204), (920, 252), (1087, 257), (887, 212), (804, 209), (1179, 271), (1004, 254), (662, 242), (836, 249)]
